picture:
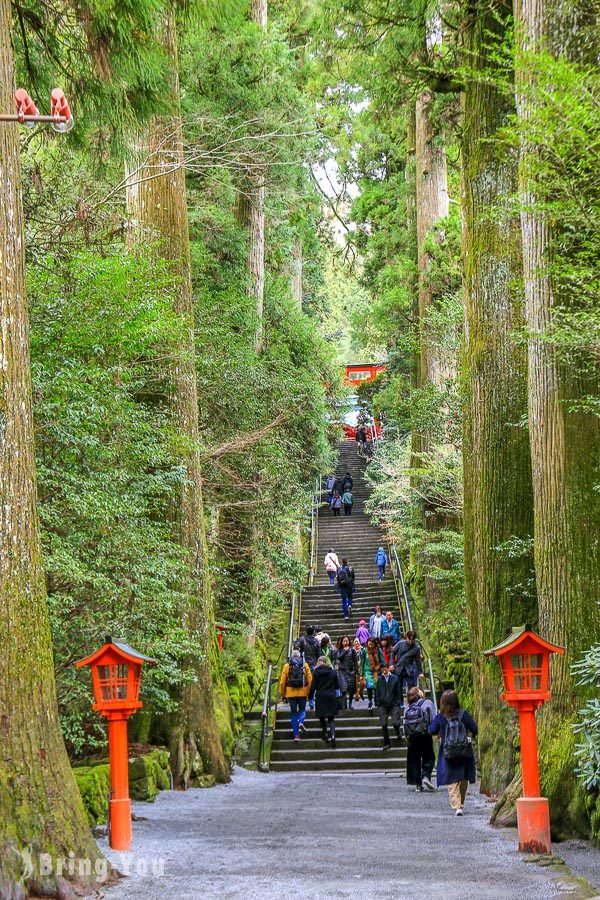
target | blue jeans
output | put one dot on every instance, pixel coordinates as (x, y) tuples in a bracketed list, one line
[(381, 570), (311, 693), (346, 600), (331, 578), (298, 713)]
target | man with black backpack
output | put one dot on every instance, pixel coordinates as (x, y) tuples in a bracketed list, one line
[(294, 686), (310, 648), (420, 758), (345, 582)]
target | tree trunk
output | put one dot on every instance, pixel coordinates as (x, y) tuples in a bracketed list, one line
[(297, 271), (432, 205), (565, 443), (259, 12), (41, 811), (256, 217), (158, 213), (256, 249), (497, 470)]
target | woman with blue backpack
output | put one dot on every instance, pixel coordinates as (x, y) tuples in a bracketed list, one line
[(456, 758)]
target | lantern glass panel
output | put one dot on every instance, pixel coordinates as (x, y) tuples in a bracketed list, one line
[(527, 671), (113, 682)]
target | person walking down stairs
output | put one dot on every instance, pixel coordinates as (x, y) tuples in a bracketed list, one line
[(294, 687), (327, 692), (387, 693), (346, 665)]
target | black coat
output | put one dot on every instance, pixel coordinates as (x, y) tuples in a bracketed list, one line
[(347, 665), (388, 692), (326, 683)]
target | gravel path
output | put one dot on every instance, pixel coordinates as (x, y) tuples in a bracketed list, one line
[(363, 836)]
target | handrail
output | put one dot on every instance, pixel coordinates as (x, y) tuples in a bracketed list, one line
[(263, 762), (314, 530), (290, 643), (403, 588), (398, 575)]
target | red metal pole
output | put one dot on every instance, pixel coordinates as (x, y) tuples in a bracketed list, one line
[(529, 751), (120, 804), (533, 814)]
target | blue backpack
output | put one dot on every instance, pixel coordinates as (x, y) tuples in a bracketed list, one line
[(380, 558)]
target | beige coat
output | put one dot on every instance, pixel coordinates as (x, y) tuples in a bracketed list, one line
[(287, 691), (331, 562)]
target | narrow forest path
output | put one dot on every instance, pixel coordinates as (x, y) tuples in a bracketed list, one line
[(291, 835)]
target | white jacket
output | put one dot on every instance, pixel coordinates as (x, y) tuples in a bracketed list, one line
[(332, 562)]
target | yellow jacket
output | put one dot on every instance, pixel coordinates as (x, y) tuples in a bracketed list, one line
[(287, 691)]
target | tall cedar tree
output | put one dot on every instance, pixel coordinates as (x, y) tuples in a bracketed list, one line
[(565, 439), (158, 212), (256, 215), (497, 471), (40, 806), (432, 204)]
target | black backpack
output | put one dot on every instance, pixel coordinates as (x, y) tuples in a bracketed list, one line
[(456, 740), (415, 720), (311, 648), (295, 677), (343, 578)]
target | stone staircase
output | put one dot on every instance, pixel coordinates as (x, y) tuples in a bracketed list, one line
[(359, 737)]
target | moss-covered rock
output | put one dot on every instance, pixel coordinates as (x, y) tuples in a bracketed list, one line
[(148, 775), (94, 786)]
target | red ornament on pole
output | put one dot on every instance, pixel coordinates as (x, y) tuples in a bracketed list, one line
[(525, 660), (60, 109), (25, 107), (116, 673)]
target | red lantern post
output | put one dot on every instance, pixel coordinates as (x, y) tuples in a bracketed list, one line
[(524, 661), (116, 673)]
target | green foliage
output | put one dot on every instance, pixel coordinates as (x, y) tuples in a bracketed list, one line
[(102, 333), (587, 729)]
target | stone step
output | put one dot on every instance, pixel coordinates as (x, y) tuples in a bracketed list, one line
[(339, 763), (297, 751)]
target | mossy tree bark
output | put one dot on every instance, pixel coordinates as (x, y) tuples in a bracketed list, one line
[(565, 440), (296, 279), (158, 214), (256, 216), (41, 811), (497, 471), (432, 204)]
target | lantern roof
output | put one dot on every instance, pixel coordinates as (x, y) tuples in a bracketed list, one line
[(516, 637), (124, 650)]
